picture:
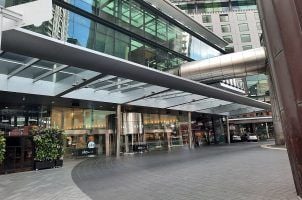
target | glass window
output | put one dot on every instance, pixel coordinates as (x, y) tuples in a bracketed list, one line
[(133, 17), (247, 47), (243, 27), (78, 119), (162, 29), (56, 117), (229, 49), (122, 45), (100, 118), (256, 15), (241, 16), (258, 26), (87, 118), (245, 38), (225, 28), (68, 118), (20, 121), (206, 18), (228, 38), (224, 17), (210, 28), (137, 16)]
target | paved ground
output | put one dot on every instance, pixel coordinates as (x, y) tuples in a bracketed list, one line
[(52, 184), (240, 171)]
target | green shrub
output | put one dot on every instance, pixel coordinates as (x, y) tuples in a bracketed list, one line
[(2, 148), (49, 144)]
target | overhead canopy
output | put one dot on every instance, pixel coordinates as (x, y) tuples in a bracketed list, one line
[(36, 64)]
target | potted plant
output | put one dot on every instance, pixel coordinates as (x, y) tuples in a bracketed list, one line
[(60, 142), (48, 148), (2, 152)]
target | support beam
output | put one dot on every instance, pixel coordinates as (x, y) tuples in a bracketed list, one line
[(266, 128), (23, 67), (190, 130), (147, 96), (118, 130), (53, 71), (228, 129), (184, 103), (113, 84), (107, 143), (126, 143), (128, 87), (80, 85)]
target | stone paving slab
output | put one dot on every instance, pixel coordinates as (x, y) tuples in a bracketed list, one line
[(236, 172), (241, 171), (51, 184)]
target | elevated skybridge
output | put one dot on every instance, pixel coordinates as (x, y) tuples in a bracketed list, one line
[(36, 64)]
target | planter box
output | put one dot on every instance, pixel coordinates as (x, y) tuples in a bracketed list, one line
[(59, 163), (2, 169), (44, 164)]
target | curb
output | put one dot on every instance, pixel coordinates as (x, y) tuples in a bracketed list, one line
[(268, 146)]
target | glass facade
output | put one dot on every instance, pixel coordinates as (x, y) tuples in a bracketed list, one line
[(128, 30), (258, 87), (210, 6), (77, 118)]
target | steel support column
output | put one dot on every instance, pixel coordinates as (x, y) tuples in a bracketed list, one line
[(118, 130), (282, 23), (107, 144), (228, 129), (190, 130), (278, 131)]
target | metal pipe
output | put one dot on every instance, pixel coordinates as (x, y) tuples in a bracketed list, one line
[(234, 65)]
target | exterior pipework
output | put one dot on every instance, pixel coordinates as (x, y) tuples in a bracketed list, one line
[(234, 65)]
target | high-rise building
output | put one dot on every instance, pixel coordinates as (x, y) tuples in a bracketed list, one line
[(238, 23)]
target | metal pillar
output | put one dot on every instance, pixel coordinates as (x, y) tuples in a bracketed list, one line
[(107, 144), (127, 143), (118, 130), (279, 135), (266, 128), (190, 130), (228, 129), (283, 41)]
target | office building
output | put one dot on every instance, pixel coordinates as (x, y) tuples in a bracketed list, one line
[(97, 70)]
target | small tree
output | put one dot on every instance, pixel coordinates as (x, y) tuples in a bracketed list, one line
[(2, 148)]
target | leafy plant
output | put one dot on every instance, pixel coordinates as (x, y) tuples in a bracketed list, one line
[(2, 148), (49, 143)]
